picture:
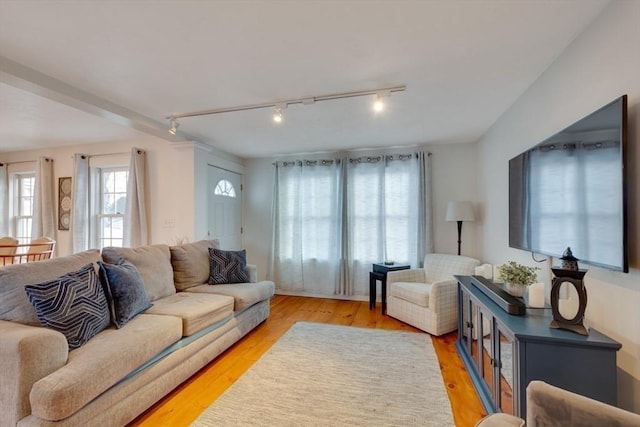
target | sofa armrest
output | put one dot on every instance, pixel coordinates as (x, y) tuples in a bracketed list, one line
[(27, 354), (252, 270), (444, 296), (411, 275), (552, 406)]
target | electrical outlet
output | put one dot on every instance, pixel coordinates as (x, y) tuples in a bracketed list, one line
[(169, 223)]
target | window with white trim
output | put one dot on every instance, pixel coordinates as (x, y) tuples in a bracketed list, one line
[(224, 188), (23, 199), (110, 203)]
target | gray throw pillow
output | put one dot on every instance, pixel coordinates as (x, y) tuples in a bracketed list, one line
[(228, 267), (73, 304), (125, 291)]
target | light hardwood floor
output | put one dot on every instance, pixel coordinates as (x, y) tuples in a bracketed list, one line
[(185, 403)]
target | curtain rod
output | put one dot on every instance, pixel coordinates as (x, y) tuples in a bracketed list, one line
[(104, 154), (15, 163)]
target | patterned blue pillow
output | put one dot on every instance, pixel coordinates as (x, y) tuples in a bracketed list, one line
[(227, 267), (125, 291), (73, 304)]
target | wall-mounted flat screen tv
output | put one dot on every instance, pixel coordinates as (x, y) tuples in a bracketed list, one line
[(570, 191)]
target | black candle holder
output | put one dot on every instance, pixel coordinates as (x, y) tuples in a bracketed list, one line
[(575, 278)]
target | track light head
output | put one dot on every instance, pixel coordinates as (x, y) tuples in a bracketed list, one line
[(277, 112), (174, 126), (378, 105)]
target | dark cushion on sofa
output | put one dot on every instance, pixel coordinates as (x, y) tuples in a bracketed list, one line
[(73, 304), (125, 291), (228, 267)]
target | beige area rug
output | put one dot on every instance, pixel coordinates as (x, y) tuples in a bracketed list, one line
[(329, 375)]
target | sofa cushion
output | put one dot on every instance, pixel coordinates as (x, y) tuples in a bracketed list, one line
[(417, 293), (124, 289), (196, 311), (73, 304), (191, 263), (154, 264), (14, 304), (244, 294), (101, 363), (228, 267)]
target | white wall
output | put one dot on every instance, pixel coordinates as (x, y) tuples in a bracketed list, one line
[(602, 64), (454, 173), (176, 212)]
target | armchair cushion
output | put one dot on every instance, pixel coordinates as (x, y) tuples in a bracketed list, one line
[(417, 293)]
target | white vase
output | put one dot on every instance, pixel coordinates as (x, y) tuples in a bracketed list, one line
[(516, 289)]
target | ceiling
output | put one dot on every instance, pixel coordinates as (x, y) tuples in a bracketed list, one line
[(76, 72)]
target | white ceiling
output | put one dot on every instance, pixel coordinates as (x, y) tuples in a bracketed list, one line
[(464, 63)]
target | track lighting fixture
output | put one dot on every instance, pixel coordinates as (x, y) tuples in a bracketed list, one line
[(378, 104), (174, 125), (277, 112), (279, 106)]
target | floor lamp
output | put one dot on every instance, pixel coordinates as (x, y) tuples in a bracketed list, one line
[(460, 211)]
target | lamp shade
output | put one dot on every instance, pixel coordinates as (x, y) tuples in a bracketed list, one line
[(460, 211)]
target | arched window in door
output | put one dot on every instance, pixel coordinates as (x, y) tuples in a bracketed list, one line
[(224, 188)]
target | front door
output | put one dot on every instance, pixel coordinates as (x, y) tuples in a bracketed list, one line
[(225, 208)]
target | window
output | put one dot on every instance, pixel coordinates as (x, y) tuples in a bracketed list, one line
[(224, 188), (334, 218), (24, 189), (110, 206)]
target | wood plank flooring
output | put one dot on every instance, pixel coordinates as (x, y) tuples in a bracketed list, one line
[(185, 403)]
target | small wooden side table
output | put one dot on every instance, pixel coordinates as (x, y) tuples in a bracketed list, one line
[(379, 272)]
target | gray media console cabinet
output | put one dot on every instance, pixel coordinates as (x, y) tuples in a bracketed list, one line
[(504, 352)]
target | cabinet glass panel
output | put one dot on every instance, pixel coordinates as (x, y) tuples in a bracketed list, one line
[(475, 354), (505, 385), (486, 357), (466, 320)]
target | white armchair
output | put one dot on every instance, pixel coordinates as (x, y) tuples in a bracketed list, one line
[(427, 298)]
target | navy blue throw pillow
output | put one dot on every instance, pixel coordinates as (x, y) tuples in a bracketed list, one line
[(73, 304), (125, 291), (227, 267)]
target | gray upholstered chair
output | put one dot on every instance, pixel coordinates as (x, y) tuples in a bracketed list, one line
[(427, 298), (549, 406)]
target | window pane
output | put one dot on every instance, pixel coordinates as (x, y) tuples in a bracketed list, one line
[(113, 200)]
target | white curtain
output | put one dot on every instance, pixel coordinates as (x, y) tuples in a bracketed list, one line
[(306, 249), (425, 206), (383, 215), (80, 203), (44, 206), (334, 218), (136, 232), (4, 199)]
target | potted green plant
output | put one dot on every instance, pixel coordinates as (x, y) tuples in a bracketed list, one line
[(517, 277)]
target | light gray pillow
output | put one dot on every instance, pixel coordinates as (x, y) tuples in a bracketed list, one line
[(191, 263), (154, 264)]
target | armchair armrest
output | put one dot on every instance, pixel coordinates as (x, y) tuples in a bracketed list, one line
[(27, 354), (500, 420), (411, 275), (444, 296), (548, 405)]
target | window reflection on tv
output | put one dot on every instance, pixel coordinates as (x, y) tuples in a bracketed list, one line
[(569, 191)]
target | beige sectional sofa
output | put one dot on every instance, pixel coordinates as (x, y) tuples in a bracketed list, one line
[(119, 373)]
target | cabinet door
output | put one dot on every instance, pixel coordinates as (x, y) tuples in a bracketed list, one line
[(505, 352), (485, 340), (465, 324)]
